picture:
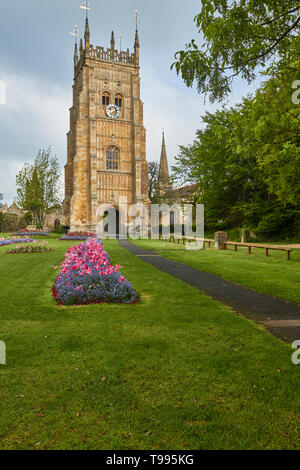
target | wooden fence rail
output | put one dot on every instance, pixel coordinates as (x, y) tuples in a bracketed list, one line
[(209, 241)]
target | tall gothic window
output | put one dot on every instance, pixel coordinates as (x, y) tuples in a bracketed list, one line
[(105, 98), (119, 100), (112, 158)]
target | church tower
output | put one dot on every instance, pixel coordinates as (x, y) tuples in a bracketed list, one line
[(107, 139)]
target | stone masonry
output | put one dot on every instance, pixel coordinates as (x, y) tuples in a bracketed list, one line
[(88, 181)]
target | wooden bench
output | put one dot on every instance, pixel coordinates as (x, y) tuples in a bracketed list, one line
[(287, 249)]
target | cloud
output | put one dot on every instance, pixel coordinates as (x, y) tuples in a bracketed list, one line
[(176, 109), (35, 116)]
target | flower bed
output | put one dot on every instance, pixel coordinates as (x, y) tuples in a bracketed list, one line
[(11, 241), (70, 238), (82, 234), (77, 236), (40, 247), (32, 233), (88, 277)]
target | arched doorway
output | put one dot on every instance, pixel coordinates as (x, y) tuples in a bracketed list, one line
[(112, 222)]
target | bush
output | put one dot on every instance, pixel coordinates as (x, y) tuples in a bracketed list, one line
[(275, 225), (12, 222), (58, 229), (234, 234), (36, 247)]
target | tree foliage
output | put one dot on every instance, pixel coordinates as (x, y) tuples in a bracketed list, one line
[(38, 185), (153, 173), (238, 38), (247, 159)]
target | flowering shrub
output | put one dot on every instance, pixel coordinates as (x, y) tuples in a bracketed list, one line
[(40, 247), (78, 236), (11, 241), (87, 276), (33, 233)]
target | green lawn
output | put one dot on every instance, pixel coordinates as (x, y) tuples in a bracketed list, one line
[(178, 371), (270, 275)]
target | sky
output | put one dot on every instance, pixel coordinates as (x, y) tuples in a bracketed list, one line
[(36, 68)]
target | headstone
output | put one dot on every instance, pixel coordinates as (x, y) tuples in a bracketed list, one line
[(220, 239)]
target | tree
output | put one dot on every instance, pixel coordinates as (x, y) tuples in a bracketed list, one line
[(153, 172), (276, 128), (38, 185), (239, 38), (1, 220), (247, 160)]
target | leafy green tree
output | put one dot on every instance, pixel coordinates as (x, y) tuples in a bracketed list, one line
[(276, 128), (38, 185), (238, 38), (153, 172), (247, 160)]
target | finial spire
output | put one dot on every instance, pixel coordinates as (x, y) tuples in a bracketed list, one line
[(112, 41), (87, 30), (136, 42), (75, 34), (86, 7), (76, 53)]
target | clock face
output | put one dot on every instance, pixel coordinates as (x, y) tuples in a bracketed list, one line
[(112, 111)]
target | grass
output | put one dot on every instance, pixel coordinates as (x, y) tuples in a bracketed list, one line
[(272, 275), (178, 371)]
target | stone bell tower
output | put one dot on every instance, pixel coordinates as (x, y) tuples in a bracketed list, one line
[(107, 138)]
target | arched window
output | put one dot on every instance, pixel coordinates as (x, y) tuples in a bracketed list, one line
[(119, 100), (105, 98), (112, 158)]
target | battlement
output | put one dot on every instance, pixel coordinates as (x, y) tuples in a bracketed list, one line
[(111, 55)]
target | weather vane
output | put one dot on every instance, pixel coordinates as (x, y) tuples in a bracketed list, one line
[(86, 7), (75, 32), (136, 18)]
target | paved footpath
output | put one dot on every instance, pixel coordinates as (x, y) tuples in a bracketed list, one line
[(280, 317)]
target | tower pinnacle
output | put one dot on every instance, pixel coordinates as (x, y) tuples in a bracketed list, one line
[(76, 53), (112, 41), (87, 34), (136, 42)]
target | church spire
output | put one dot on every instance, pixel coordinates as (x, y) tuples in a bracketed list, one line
[(163, 167)]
